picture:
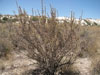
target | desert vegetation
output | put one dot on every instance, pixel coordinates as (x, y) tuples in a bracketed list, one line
[(53, 45)]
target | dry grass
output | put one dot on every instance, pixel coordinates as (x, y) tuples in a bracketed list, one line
[(6, 45)]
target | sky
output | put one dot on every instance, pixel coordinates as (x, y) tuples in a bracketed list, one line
[(90, 8)]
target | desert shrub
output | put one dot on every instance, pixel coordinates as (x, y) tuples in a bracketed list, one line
[(3, 30), (84, 43), (51, 44), (5, 47), (95, 24), (88, 44), (5, 19), (14, 20), (88, 23), (34, 18), (6, 29)]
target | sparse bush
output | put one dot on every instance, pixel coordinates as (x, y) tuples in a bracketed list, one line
[(52, 45)]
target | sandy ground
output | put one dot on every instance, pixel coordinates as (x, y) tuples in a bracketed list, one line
[(18, 64)]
